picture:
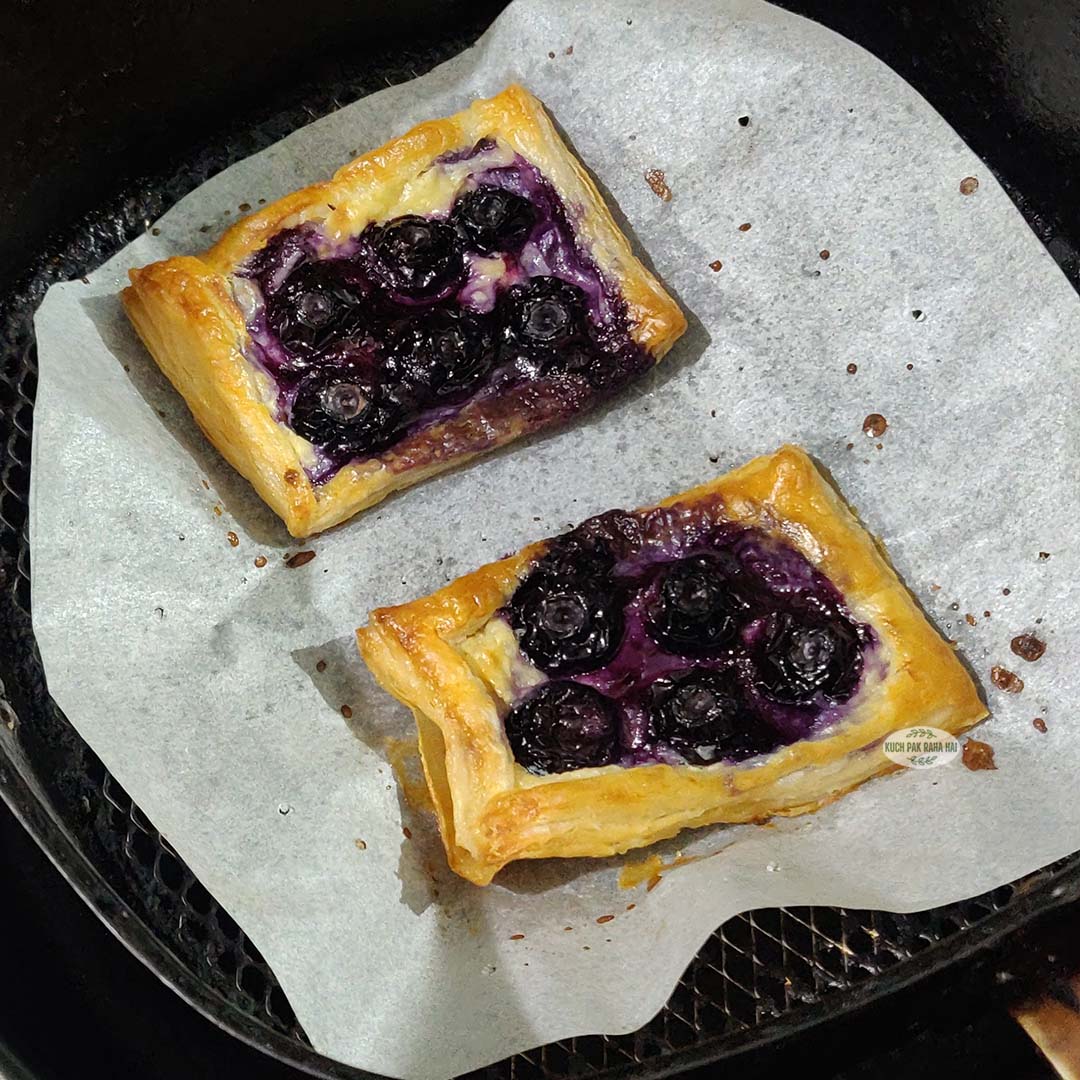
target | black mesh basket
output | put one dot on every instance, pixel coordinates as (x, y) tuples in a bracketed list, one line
[(760, 976)]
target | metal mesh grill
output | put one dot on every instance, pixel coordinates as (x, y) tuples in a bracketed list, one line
[(759, 973)]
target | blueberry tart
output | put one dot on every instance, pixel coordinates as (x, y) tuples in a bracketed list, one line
[(737, 652), (457, 288)]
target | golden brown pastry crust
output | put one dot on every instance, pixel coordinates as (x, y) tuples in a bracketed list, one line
[(185, 312), (491, 811)]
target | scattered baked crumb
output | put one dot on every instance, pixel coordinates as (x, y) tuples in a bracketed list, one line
[(605, 918), (1027, 647), (744, 227), (658, 182), (851, 446), (1006, 591), (716, 266), (291, 477), (744, 121), (1006, 680), (320, 666), (233, 539), (567, 928), (568, 51), (935, 588), (823, 253), (260, 561), (520, 937), (714, 458), (1039, 724), (875, 425), (910, 367), (977, 755), (204, 228), (206, 484), (406, 832), (551, 56), (301, 558), (852, 368), (969, 185), (879, 446), (261, 201), (630, 907), (1043, 556), (713, 414), (653, 882), (360, 845), (155, 231), (970, 619), (244, 207), (346, 711), (217, 511)]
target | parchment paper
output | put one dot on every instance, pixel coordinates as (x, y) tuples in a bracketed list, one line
[(193, 674)]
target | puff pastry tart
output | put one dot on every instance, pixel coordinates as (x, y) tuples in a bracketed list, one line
[(739, 651), (460, 287)]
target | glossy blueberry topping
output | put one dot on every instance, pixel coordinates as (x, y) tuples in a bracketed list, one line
[(562, 726), (491, 219), (416, 259), (320, 304), (801, 656), (567, 625), (544, 314), (345, 409), (705, 717), (697, 607), (442, 354)]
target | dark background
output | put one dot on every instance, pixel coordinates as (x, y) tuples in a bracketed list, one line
[(96, 98)]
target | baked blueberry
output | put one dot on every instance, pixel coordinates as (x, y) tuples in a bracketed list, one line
[(575, 557), (696, 607), (319, 305), (441, 354), (702, 715), (562, 726), (418, 260), (566, 626), (345, 409), (798, 657), (543, 315), (491, 220)]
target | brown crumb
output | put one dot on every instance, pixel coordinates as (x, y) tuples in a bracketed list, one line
[(551, 56), (406, 832), (970, 619), (605, 918), (568, 51), (716, 266), (520, 937), (155, 231), (1039, 724), (292, 477), (910, 367), (1006, 680), (244, 207), (346, 711), (969, 185), (852, 368), (1027, 647), (978, 755), (260, 561), (206, 484), (986, 614), (1043, 556), (630, 907), (744, 227), (204, 228), (653, 882), (1005, 592), (658, 182), (360, 845), (301, 558), (567, 928), (714, 458), (233, 539), (713, 414), (261, 201), (879, 446), (217, 511), (823, 254), (320, 666), (874, 425), (935, 588)]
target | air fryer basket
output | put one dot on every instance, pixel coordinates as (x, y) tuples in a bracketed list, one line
[(760, 976)]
